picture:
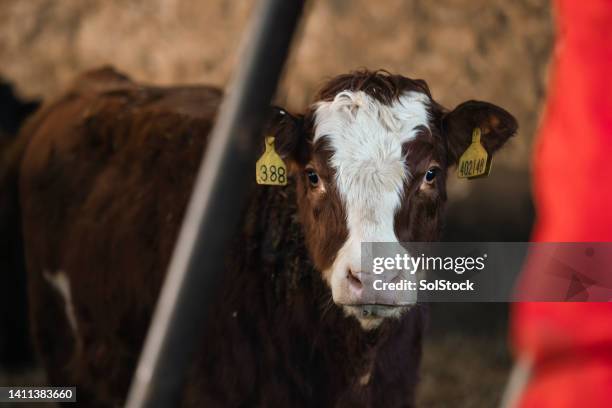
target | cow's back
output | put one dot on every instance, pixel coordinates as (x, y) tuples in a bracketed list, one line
[(105, 179)]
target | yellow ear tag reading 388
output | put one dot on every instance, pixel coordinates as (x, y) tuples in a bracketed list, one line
[(474, 162), (271, 169)]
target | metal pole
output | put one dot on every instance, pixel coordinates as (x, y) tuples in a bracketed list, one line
[(217, 199)]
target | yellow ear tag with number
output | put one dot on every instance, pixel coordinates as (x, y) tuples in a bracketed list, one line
[(271, 169), (474, 162)]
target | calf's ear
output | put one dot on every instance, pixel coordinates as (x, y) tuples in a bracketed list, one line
[(287, 132), (496, 127)]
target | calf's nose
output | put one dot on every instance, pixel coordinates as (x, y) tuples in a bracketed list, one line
[(369, 289)]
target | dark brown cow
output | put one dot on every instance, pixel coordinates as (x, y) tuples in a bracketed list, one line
[(104, 183)]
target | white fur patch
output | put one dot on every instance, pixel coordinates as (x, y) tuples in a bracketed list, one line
[(367, 137), (60, 282)]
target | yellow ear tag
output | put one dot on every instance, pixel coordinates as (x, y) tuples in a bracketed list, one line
[(271, 169), (474, 162)]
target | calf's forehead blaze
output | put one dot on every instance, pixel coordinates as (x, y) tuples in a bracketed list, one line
[(366, 138), (367, 120)]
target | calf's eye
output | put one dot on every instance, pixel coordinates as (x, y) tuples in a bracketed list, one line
[(431, 174), (313, 177)]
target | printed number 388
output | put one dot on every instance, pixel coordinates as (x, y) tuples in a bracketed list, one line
[(273, 174)]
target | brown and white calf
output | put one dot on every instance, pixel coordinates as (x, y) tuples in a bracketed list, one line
[(104, 181)]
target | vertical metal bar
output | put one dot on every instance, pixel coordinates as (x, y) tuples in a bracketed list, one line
[(220, 188)]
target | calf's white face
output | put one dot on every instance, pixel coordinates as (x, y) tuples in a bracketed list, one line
[(366, 137), (369, 160)]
